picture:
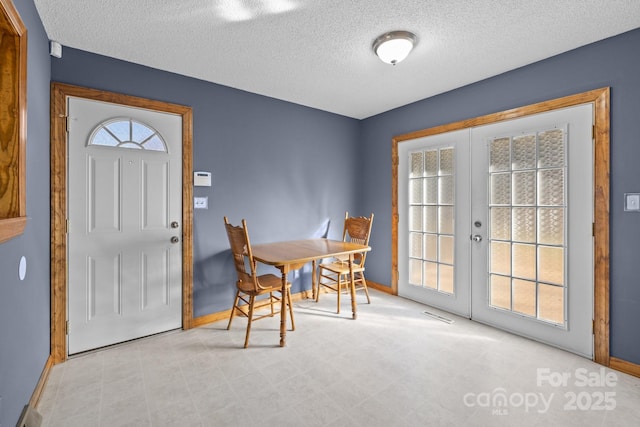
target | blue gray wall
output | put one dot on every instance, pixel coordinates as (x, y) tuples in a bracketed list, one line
[(24, 305), (614, 62), (287, 169), (274, 164)]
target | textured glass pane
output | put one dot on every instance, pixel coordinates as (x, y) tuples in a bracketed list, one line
[(551, 187), (524, 188), (551, 264), (431, 275), (415, 272), (415, 218), (446, 190), (551, 226), (551, 303), (431, 247), (500, 223), (121, 130), (551, 148), (446, 279), (500, 155), (524, 224), (524, 152), (154, 144), (140, 132), (524, 261), (501, 189), (524, 297), (415, 245), (431, 219), (446, 161), (446, 219), (102, 137), (446, 249), (501, 258), (415, 191), (431, 162), (432, 191), (500, 292), (417, 165)]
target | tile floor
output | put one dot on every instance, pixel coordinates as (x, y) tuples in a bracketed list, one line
[(393, 366)]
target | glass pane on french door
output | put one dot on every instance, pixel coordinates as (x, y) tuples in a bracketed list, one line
[(527, 223), (434, 221)]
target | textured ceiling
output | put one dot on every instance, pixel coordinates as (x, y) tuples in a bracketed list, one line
[(318, 52)]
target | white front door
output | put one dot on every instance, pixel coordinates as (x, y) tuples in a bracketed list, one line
[(496, 225), (125, 221)]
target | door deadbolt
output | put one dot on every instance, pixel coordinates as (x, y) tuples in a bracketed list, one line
[(175, 239), (175, 224), (477, 224)]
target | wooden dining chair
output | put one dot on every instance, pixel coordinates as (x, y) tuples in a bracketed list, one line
[(250, 285), (335, 273)]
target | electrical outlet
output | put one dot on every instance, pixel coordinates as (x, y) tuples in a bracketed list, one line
[(201, 202), (632, 202)]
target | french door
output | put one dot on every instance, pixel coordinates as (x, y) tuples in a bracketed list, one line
[(496, 225)]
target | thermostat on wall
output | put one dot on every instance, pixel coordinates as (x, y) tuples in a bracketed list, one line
[(202, 179)]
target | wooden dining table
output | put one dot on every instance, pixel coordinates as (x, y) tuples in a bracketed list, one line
[(293, 254)]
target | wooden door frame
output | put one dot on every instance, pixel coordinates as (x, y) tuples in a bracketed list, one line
[(59, 94), (600, 99)]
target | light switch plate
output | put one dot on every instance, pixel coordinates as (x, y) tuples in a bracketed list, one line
[(201, 202), (632, 202)]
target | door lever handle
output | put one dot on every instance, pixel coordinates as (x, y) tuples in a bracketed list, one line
[(476, 238)]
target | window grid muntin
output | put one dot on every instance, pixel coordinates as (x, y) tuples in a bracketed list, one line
[(432, 172), (539, 208), (138, 135)]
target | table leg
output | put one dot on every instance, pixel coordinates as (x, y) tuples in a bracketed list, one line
[(283, 307), (353, 287), (314, 280)]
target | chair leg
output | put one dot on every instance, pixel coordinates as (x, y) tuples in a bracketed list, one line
[(293, 323), (339, 285), (252, 300), (271, 303), (364, 285), (233, 309), (319, 279)]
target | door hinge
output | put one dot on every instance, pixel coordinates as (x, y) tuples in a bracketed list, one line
[(66, 327), (593, 132), (66, 122), (593, 327), (593, 229), (66, 226)]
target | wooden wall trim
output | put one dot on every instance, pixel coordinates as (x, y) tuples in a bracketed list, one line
[(600, 98), (624, 366), (42, 382), (59, 94), (13, 105)]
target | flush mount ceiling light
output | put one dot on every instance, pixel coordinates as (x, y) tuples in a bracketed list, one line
[(394, 46)]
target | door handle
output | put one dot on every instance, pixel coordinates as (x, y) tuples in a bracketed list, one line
[(476, 238), (175, 224), (175, 239)]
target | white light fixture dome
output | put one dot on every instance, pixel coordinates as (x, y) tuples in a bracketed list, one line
[(394, 46)]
